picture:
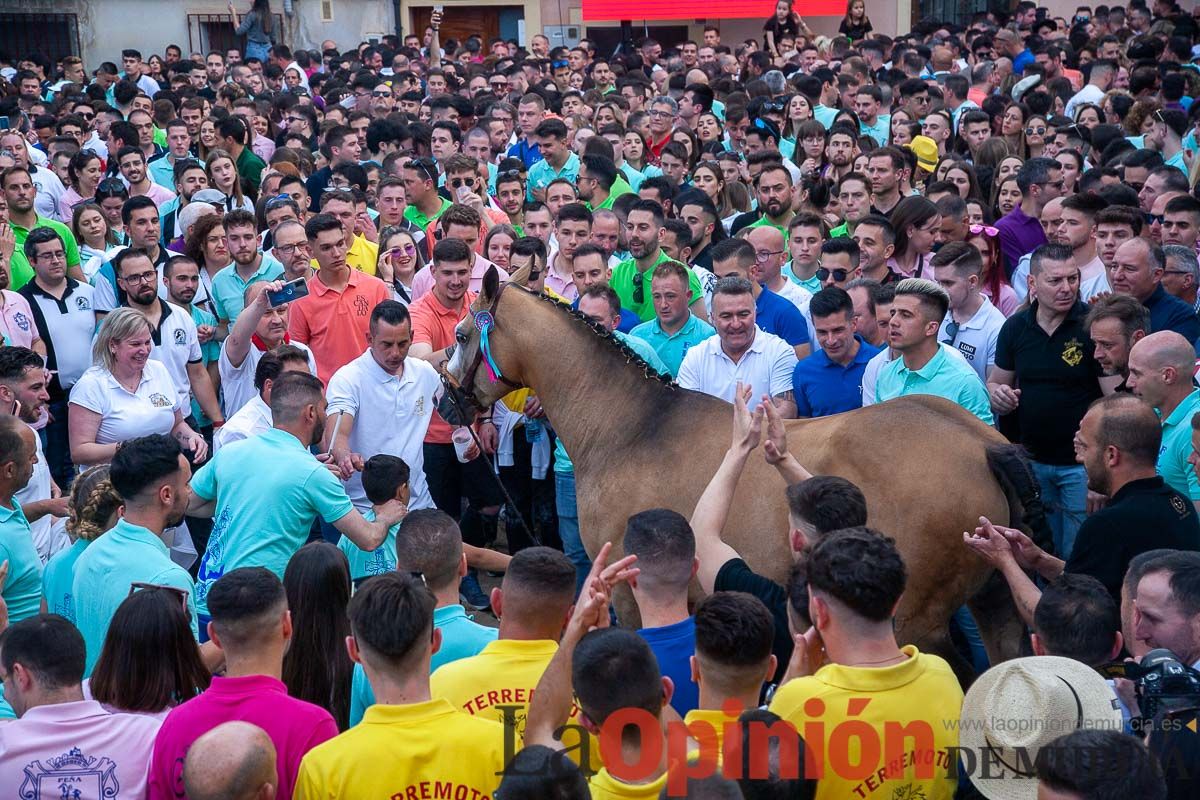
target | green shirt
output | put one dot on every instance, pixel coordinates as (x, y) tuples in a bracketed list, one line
[(250, 167), (229, 290), (210, 351), (105, 573), (623, 283), (1176, 448), (813, 284), (840, 232), (263, 516), (671, 348), (414, 215), (764, 221), (943, 377), (364, 564), (57, 578), (23, 589), (20, 273)]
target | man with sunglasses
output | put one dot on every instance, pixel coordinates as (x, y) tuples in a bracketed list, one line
[(1040, 181)]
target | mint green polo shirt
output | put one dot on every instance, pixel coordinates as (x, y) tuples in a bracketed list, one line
[(229, 290), (622, 282), (562, 461), (671, 348), (462, 637), (943, 377), (23, 589), (105, 571), (57, 579), (813, 284), (541, 174), (269, 490), (364, 564), (1176, 448)]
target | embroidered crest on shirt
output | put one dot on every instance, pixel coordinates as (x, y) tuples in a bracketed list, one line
[(1072, 354), (22, 321), (419, 407), (159, 400), (82, 303), (71, 775), (180, 336)]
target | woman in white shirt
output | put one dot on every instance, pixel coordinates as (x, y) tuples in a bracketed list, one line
[(125, 395)]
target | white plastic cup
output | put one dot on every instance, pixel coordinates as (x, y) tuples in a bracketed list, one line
[(462, 443)]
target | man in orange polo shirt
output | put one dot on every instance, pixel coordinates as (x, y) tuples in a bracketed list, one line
[(434, 317), (334, 317)]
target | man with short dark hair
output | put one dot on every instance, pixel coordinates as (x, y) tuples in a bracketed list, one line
[(249, 265), (1077, 618), (675, 329), (972, 325), (1116, 764), (631, 279), (407, 738), (1118, 442), (557, 160), (750, 258), (1115, 323), (1040, 181), (253, 627), (849, 587), (42, 664), (830, 380)]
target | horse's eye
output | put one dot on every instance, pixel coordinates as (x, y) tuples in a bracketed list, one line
[(460, 337)]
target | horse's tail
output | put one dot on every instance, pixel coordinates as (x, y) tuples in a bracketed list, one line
[(1011, 467)]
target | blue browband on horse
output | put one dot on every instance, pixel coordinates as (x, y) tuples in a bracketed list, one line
[(484, 322)]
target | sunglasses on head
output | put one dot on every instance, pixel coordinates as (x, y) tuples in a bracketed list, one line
[(986, 230), (423, 165)]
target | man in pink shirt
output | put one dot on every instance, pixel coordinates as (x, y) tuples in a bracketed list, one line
[(59, 739), (334, 317), (252, 626), (458, 222)]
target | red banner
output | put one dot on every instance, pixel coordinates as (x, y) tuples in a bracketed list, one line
[(597, 10)]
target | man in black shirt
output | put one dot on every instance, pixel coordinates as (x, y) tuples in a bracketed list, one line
[(1118, 442), (816, 506)]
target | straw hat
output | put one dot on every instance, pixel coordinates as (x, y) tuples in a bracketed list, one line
[(1020, 706)]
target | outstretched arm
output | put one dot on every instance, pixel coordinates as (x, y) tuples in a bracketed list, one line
[(991, 544), (775, 447), (712, 508)]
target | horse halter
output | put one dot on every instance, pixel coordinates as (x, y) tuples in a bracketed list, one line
[(485, 323)]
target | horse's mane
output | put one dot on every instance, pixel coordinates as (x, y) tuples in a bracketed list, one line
[(611, 339)]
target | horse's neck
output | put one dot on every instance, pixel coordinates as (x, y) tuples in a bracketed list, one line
[(590, 393)]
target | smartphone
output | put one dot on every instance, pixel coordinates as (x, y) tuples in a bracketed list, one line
[(439, 8), (292, 290), (4, 124)]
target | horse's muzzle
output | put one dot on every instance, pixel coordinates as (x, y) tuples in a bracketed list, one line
[(455, 406)]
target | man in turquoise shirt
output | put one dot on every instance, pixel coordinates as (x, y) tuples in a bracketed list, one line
[(265, 492), (557, 159), (151, 474), (674, 328), (18, 454), (248, 266), (1160, 373), (431, 545), (923, 367)]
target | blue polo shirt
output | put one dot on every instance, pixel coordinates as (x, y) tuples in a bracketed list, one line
[(105, 571), (823, 387), (229, 290), (673, 647), (1169, 313), (777, 315), (671, 348), (263, 515), (23, 589), (529, 153), (629, 320), (942, 376), (462, 637)]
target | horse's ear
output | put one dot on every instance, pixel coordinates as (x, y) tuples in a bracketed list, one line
[(491, 285), (521, 276)]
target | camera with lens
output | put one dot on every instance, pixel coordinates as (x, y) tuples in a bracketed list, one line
[(1163, 684)]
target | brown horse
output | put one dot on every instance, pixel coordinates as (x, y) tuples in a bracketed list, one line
[(928, 468)]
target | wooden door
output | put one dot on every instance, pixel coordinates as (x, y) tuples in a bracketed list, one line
[(461, 22)]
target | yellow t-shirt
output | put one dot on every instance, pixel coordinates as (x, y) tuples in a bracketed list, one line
[(919, 696), (604, 786), (498, 683), (363, 255), (697, 721), (410, 752)]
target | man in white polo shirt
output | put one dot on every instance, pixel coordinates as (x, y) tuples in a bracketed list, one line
[(255, 416), (259, 328), (62, 308), (741, 352), (385, 400), (176, 343), (972, 325)]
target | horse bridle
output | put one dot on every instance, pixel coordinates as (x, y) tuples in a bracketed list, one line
[(485, 323)]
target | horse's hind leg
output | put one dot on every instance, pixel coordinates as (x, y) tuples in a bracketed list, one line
[(999, 623)]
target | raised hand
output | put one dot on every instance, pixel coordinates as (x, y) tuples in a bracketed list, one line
[(747, 425)]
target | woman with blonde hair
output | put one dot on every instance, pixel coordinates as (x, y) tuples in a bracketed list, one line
[(94, 509), (125, 394)]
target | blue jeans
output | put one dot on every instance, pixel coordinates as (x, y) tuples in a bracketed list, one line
[(258, 50), (970, 632), (568, 526), (1064, 494)]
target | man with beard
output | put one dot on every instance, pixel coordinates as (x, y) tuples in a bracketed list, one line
[(176, 341), (249, 266), (774, 189), (189, 177), (1116, 323), (631, 279), (841, 151), (143, 226), (181, 276), (20, 194), (302, 488), (151, 475), (23, 393), (132, 163)]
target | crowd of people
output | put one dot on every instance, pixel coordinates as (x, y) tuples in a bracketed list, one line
[(231, 284)]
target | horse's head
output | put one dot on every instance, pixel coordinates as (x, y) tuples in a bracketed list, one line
[(473, 378)]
